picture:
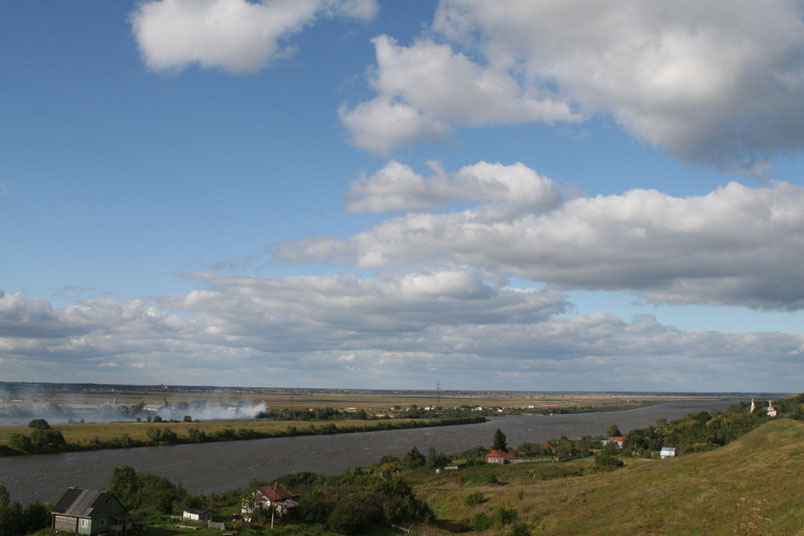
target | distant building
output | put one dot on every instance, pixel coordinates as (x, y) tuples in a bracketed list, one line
[(771, 410), (501, 457), (668, 452), (196, 514), (753, 406), (620, 440), (90, 511), (549, 446), (275, 497)]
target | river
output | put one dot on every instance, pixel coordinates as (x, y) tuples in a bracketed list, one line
[(208, 467)]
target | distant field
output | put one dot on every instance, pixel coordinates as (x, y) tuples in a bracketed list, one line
[(76, 433), (357, 400), (697, 494)]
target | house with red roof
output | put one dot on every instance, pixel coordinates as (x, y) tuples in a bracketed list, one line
[(275, 496), (549, 447), (501, 457), (620, 440)]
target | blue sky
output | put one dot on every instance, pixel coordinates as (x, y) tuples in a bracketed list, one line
[(350, 193)]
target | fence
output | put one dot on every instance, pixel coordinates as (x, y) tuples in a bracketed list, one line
[(207, 523)]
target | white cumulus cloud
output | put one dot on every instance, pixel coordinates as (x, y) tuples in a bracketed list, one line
[(507, 189), (734, 246), (436, 86), (235, 35), (716, 82)]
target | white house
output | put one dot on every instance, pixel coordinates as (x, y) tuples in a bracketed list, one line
[(196, 514), (667, 452), (501, 457)]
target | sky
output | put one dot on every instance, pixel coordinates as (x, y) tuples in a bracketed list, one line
[(510, 195)]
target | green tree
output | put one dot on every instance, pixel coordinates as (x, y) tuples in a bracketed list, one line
[(196, 436), (154, 434), (124, 484), (47, 441), (169, 436), (414, 458), (39, 424), (613, 431), (436, 460), (499, 441), (19, 442)]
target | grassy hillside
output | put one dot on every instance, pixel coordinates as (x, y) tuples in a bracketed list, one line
[(696, 494)]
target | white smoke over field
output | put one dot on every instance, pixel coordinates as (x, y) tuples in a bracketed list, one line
[(214, 412), (21, 412)]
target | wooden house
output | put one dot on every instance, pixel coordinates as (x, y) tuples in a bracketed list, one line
[(274, 497), (501, 457), (90, 511)]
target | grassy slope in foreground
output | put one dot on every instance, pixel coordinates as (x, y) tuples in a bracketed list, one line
[(692, 495)]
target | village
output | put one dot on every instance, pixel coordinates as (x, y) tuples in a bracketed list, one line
[(141, 503)]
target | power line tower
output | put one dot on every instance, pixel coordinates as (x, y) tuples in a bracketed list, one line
[(438, 393)]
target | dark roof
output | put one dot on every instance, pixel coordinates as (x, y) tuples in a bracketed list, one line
[(275, 492), (124, 516), (79, 502), (198, 511)]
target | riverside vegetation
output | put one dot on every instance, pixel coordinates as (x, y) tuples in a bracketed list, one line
[(44, 439), (739, 473)]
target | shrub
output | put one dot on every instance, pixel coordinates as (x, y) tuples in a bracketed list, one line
[(519, 529), (606, 462), (474, 498)]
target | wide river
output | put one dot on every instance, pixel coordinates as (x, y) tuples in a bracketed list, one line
[(208, 467)]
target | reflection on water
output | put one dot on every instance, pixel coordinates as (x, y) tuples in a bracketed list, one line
[(208, 467)]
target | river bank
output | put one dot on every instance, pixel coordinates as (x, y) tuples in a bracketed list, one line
[(99, 436)]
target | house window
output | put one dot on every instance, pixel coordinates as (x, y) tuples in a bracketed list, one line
[(84, 523), (103, 523)]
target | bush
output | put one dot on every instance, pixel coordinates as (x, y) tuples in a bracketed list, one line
[(474, 498), (501, 517), (606, 462), (519, 529)]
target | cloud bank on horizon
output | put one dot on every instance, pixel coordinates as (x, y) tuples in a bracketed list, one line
[(467, 270)]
